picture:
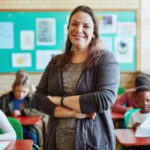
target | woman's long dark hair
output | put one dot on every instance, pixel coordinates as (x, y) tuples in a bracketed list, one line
[(95, 45)]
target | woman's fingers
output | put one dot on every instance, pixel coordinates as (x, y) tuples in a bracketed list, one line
[(91, 115)]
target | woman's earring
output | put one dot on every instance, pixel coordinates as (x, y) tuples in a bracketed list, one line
[(71, 49)]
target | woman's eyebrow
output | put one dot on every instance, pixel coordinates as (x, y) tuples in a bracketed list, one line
[(86, 23)]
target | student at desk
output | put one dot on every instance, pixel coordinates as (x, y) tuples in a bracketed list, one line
[(5, 126), (18, 102), (143, 101), (142, 98), (128, 98)]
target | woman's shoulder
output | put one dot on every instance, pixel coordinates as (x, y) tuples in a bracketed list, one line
[(106, 56), (55, 59)]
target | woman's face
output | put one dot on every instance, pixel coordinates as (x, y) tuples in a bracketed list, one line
[(21, 92), (81, 30)]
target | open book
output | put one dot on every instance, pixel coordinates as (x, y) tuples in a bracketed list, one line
[(144, 129)]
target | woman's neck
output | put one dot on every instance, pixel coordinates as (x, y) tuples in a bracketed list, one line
[(79, 56)]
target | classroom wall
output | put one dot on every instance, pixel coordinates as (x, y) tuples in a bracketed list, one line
[(6, 80), (127, 78), (145, 36)]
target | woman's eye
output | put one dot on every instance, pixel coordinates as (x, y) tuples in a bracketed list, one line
[(86, 26), (73, 24), (148, 100)]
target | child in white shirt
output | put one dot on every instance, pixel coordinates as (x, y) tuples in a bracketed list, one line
[(143, 102), (5, 126)]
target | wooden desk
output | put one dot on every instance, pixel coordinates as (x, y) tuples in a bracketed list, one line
[(20, 145), (28, 120), (117, 116), (126, 137)]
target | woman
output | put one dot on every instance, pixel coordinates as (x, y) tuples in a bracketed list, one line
[(78, 88), (5, 126)]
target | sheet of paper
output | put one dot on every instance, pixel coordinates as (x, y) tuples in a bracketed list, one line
[(65, 32), (21, 60), (124, 49), (127, 29), (44, 56), (144, 129), (6, 35), (3, 144), (108, 24), (27, 40), (45, 31), (107, 42)]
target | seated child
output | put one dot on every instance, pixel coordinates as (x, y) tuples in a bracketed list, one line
[(142, 99), (5, 126), (18, 102), (128, 98)]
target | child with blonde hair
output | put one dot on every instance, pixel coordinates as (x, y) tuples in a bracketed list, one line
[(18, 102)]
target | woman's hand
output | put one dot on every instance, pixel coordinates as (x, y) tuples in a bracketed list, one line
[(83, 116), (54, 99)]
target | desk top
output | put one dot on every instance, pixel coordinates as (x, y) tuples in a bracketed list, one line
[(117, 115), (19, 145), (127, 137), (28, 120)]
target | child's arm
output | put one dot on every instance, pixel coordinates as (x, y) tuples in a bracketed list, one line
[(133, 121), (135, 126)]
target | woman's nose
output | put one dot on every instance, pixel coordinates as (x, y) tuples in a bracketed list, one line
[(79, 28)]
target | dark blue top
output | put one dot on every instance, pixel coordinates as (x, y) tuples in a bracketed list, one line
[(18, 104)]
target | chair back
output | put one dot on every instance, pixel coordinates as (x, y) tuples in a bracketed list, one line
[(17, 127), (127, 115), (121, 90)]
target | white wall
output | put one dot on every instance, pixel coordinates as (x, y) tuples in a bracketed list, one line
[(145, 36)]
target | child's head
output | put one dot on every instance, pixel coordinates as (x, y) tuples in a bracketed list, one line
[(141, 81), (143, 99), (21, 87), (21, 72)]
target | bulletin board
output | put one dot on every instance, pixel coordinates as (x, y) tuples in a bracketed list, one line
[(28, 40)]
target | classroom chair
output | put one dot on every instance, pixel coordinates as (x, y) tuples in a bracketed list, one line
[(128, 114), (17, 127), (19, 130), (121, 90)]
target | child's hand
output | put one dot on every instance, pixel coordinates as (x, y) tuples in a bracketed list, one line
[(16, 113), (135, 126)]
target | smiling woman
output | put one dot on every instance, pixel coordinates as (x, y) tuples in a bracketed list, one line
[(80, 31), (78, 88)]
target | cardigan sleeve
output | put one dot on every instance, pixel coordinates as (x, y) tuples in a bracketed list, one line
[(40, 99), (107, 81)]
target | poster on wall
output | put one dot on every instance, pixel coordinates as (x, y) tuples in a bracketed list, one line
[(27, 40), (45, 31), (44, 56), (65, 32), (124, 49), (6, 35), (21, 60), (107, 43), (127, 29), (108, 24)]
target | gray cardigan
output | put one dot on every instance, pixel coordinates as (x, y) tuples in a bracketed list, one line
[(97, 88)]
